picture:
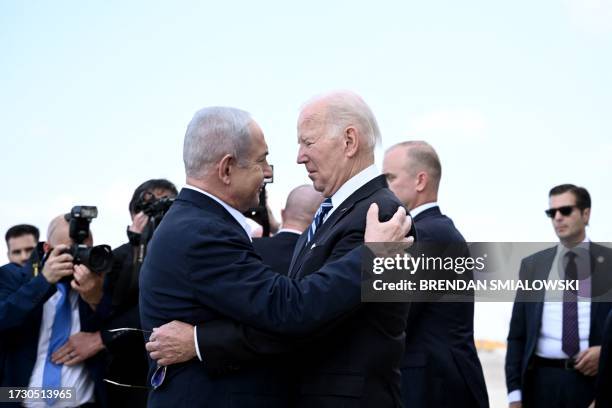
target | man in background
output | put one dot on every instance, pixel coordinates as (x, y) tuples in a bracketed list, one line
[(440, 366), (276, 251), (127, 362), (21, 240), (554, 346), (41, 313)]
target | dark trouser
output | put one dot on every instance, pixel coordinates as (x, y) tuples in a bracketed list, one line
[(548, 387)]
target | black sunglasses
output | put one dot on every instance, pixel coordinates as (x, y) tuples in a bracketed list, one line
[(565, 211)]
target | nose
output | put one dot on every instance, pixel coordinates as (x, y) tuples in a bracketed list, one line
[(268, 171), (301, 157)]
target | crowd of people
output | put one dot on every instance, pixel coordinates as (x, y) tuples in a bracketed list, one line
[(193, 311)]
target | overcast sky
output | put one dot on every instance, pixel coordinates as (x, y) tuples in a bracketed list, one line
[(515, 96)]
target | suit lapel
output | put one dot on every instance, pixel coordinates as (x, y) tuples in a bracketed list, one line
[(301, 248), (599, 280), (344, 208)]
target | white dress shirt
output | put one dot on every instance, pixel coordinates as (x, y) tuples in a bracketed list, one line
[(75, 376), (551, 330), (417, 210), (350, 186)]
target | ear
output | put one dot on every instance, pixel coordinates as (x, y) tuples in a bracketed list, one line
[(224, 168), (422, 179), (586, 215), (351, 141), (282, 215), (46, 247)]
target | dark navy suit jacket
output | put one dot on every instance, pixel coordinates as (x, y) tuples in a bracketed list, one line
[(440, 367), (353, 361), (603, 394), (527, 316), (201, 267), (22, 297), (276, 251)]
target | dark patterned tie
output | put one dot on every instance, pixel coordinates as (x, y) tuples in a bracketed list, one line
[(325, 207), (570, 341)]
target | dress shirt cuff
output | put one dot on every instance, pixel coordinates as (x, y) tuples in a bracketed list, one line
[(195, 339), (515, 396)]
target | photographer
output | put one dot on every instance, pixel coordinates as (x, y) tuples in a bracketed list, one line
[(44, 315), (127, 362)]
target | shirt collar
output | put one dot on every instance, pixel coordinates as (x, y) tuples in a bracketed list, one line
[(417, 210), (241, 219), (583, 246), (352, 185)]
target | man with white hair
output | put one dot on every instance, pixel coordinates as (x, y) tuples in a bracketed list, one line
[(201, 267)]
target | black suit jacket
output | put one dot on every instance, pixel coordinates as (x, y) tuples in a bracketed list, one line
[(527, 316), (22, 297), (441, 367), (603, 394), (276, 251), (353, 362), (127, 361), (201, 267)]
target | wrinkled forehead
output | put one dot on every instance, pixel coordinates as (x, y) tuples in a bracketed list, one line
[(315, 113)]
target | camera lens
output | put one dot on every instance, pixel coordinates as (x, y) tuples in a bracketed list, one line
[(100, 258)]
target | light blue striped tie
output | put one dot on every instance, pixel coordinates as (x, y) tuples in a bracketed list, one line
[(325, 207)]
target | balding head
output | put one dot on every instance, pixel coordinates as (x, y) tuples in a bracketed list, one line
[(413, 171), (302, 204), (58, 233)]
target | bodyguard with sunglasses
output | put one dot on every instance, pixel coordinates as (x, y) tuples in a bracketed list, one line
[(553, 346)]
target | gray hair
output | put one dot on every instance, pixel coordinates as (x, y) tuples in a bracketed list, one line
[(212, 133), (346, 108)]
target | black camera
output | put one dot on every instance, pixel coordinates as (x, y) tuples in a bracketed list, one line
[(98, 258), (153, 207)]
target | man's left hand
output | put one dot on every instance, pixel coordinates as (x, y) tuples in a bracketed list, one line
[(172, 343), (88, 285), (79, 347), (587, 361)]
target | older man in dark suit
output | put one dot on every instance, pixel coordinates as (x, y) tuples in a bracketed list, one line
[(554, 347), (201, 267), (440, 367)]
